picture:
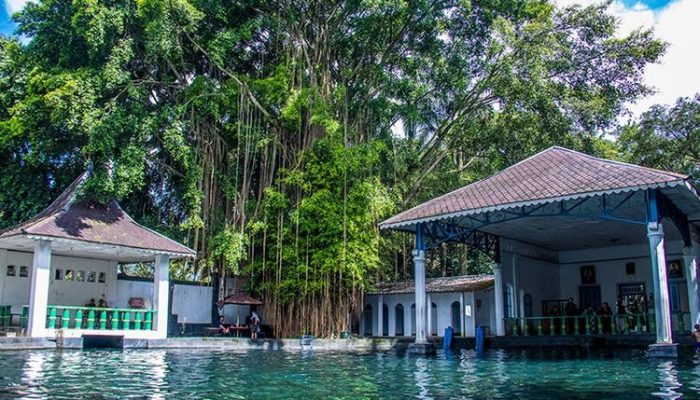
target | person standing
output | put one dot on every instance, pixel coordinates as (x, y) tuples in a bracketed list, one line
[(696, 336), (254, 324)]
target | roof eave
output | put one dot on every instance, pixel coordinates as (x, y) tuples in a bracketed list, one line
[(409, 225)]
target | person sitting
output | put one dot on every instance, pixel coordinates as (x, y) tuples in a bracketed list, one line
[(606, 317), (103, 303), (91, 303), (224, 328)]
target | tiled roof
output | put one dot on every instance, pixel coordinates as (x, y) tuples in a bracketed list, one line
[(466, 283), (107, 224), (553, 173), (240, 298)]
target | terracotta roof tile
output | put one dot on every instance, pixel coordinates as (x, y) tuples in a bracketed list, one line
[(103, 224), (553, 173)]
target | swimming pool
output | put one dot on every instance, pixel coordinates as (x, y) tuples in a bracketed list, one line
[(495, 374)]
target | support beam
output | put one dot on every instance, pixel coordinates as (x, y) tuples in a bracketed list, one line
[(39, 291), (498, 298), (429, 312), (161, 294)]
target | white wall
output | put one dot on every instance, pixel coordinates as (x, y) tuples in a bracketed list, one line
[(15, 289), (444, 312), (610, 269), (192, 304)]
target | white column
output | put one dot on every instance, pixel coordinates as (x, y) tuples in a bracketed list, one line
[(419, 264), (462, 315), (470, 316), (691, 256), (429, 311), (39, 291), (516, 302), (380, 315), (655, 233), (407, 319), (498, 299), (161, 294)]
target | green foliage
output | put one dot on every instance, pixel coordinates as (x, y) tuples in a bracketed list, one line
[(666, 137)]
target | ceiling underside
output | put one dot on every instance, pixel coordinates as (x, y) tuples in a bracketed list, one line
[(597, 221)]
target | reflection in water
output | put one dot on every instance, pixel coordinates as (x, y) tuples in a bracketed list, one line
[(668, 381), (33, 373), (183, 374), (422, 377), (158, 371)]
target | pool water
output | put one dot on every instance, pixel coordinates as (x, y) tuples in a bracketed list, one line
[(205, 374)]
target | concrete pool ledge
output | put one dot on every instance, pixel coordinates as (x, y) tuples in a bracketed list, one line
[(218, 343), (26, 343), (353, 344)]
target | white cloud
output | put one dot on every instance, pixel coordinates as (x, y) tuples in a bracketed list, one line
[(12, 6), (677, 74)]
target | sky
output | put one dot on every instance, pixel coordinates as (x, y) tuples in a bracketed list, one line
[(674, 21)]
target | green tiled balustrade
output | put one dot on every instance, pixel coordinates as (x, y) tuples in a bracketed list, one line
[(92, 318)]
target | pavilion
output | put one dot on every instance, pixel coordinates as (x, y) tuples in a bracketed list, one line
[(74, 249), (564, 224)]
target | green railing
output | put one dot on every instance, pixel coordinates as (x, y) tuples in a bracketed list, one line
[(90, 318), (5, 315), (623, 324)]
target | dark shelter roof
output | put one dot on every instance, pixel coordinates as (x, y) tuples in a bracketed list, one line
[(465, 283), (554, 173), (66, 218), (240, 298)]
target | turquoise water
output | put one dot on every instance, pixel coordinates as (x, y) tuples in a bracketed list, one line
[(200, 374)]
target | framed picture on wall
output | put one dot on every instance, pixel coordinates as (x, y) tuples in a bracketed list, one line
[(675, 269), (588, 275)]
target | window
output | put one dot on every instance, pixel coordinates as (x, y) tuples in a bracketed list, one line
[(11, 270), (91, 276), (80, 276), (24, 271), (102, 278), (69, 275), (58, 275)]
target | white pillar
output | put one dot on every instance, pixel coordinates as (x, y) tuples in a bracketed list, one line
[(161, 294), (655, 233), (407, 319), (516, 302), (462, 315), (419, 264), (691, 256), (39, 292), (469, 314), (380, 315), (429, 311), (498, 299)]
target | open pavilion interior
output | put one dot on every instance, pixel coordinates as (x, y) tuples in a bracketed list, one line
[(562, 224)]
